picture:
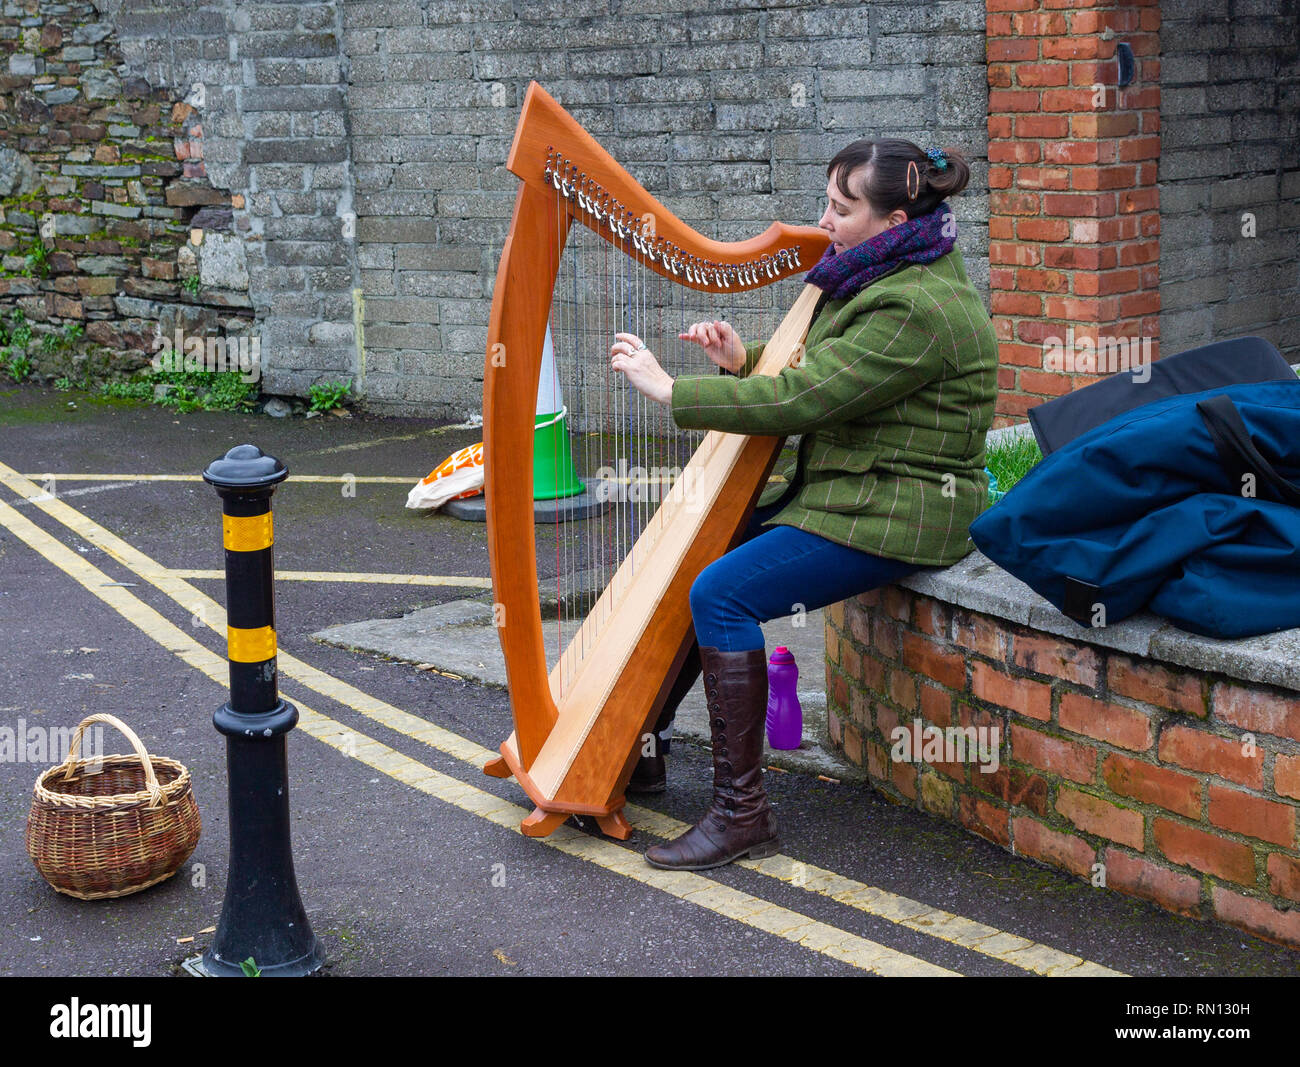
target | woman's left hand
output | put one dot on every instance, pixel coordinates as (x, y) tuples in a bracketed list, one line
[(631, 358)]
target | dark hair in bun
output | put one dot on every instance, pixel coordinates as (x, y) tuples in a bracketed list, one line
[(898, 174)]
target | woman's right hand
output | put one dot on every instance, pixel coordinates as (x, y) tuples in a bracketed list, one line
[(720, 343)]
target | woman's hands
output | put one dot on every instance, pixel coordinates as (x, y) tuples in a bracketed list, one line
[(631, 358), (720, 343)]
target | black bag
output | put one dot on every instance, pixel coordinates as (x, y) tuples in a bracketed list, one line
[(1234, 362)]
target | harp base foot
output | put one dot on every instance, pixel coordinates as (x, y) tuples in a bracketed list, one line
[(540, 823), (615, 825), (497, 768)]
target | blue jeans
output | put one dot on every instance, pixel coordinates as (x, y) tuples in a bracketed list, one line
[(772, 574)]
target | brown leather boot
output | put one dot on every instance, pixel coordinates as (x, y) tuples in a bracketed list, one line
[(651, 772), (739, 821)]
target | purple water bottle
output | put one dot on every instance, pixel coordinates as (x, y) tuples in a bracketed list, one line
[(784, 715)]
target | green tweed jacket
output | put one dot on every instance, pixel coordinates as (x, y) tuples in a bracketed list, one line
[(893, 399)]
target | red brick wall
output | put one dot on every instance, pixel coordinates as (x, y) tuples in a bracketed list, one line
[(1182, 786), (1074, 218)]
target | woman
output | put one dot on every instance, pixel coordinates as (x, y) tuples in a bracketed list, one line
[(894, 397)]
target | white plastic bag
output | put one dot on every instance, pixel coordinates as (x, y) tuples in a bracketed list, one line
[(459, 475)]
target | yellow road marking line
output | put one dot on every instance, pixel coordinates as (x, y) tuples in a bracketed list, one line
[(358, 478), (722, 900), (353, 576), (967, 933), (903, 911), (694, 888)]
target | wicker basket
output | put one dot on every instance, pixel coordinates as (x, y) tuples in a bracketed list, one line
[(111, 826)]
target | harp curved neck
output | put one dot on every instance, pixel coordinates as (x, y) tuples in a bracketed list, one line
[(554, 154)]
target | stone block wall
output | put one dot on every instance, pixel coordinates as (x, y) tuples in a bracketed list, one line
[(355, 151), (1177, 785), (727, 113), (268, 82), (363, 143), (1230, 173), (104, 202)]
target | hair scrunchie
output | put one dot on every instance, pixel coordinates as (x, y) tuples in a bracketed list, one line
[(937, 157)]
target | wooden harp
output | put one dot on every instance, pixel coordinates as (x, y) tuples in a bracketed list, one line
[(578, 723)]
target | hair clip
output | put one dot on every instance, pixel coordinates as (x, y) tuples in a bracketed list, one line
[(937, 157), (913, 180)]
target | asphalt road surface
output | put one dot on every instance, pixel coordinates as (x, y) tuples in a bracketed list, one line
[(408, 857)]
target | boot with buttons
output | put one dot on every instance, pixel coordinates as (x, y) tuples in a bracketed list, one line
[(739, 821)]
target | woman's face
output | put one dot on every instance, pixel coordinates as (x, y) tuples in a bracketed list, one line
[(850, 222)]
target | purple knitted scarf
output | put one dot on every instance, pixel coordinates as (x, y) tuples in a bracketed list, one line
[(919, 240)]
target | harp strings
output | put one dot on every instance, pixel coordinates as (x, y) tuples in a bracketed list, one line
[(627, 451)]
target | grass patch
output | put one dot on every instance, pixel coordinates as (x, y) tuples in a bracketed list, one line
[(1010, 460), (16, 339), (186, 391)]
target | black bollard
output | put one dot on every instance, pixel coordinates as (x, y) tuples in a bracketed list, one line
[(262, 916)]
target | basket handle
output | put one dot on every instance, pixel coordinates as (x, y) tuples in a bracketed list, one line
[(74, 753)]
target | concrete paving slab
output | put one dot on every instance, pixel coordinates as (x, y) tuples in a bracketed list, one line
[(458, 637)]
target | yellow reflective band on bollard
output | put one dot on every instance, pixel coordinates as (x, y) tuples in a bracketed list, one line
[(250, 646), (246, 533)]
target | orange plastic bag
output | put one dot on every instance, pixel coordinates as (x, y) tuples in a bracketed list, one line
[(458, 476)]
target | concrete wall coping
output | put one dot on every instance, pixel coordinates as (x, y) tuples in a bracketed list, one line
[(979, 584)]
